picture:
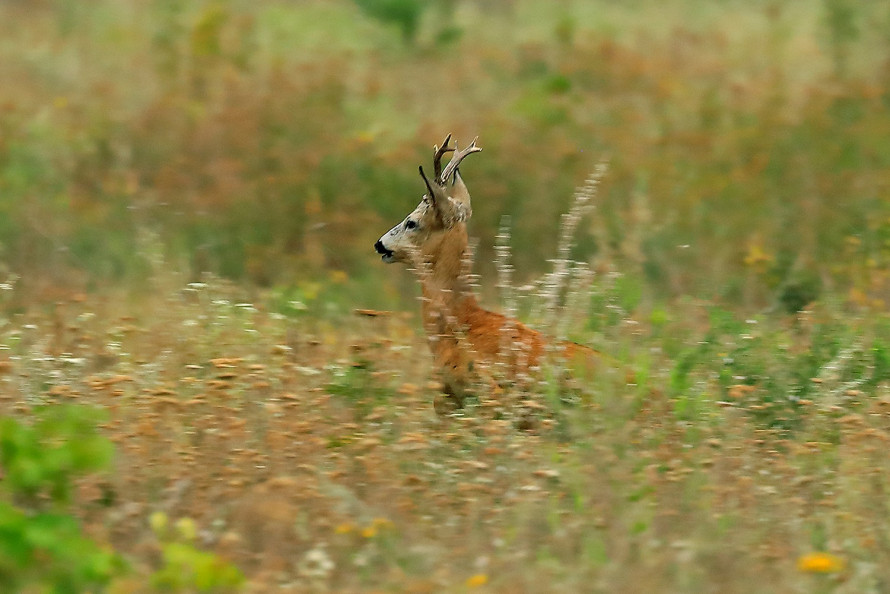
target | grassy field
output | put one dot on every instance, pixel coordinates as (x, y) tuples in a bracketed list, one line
[(190, 402), (710, 453)]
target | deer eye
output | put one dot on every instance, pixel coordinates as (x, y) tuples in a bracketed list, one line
[(409, 224)]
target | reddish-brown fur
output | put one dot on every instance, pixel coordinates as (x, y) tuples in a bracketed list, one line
[(466, 340)]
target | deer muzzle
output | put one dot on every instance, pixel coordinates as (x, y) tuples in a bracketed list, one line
[(386, 255)]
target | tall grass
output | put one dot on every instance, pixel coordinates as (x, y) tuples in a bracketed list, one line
[(305, 452)]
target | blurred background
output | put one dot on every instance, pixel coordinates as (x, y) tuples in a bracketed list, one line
[(272, 142)]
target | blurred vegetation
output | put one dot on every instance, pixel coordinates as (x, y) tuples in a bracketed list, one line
[(186, 568), (42, 548), (748, 148)]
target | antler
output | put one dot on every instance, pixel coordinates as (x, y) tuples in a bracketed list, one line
[(459, 156), (437, 158), (452, 205)]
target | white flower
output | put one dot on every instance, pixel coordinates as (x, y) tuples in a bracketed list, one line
[(316, 564)]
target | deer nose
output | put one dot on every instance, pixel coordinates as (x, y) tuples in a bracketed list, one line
[(381, 249)]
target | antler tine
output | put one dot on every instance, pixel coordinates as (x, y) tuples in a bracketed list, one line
[(437, 158), (459, 156)]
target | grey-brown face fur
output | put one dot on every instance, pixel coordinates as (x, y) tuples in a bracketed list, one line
[(449, 206), (399, 243)]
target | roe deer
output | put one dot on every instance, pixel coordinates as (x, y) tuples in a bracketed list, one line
[(433, 241)]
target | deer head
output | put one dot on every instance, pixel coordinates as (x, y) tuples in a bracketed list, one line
[(445, 205)]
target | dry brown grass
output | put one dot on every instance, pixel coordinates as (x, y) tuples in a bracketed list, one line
[(309, 455)]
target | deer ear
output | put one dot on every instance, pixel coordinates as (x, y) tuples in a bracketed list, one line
[(460, 197), (437, 198)]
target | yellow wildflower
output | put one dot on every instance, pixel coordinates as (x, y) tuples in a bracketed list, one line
[(757, 256), (344, 528), (376, 526), (338, 277), (186, 528), (382, 523), (158, 522), (820, 563), (476, 581)]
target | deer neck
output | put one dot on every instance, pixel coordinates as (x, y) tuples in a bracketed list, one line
[(447, 293)]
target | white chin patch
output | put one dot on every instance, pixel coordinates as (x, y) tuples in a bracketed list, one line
[(388, 258)]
